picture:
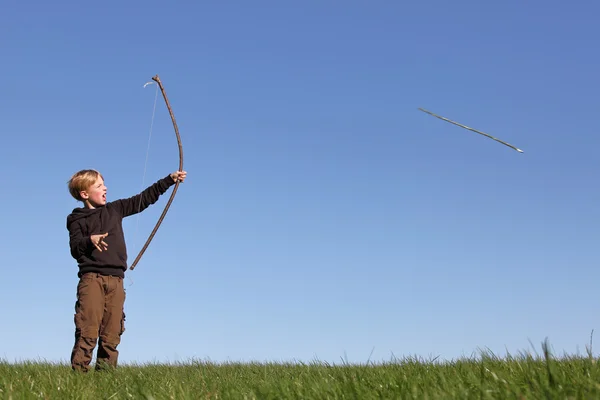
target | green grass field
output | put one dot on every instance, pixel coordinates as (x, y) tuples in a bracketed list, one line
[(525, 376)]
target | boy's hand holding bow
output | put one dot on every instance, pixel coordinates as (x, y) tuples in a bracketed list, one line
[(178, 176)]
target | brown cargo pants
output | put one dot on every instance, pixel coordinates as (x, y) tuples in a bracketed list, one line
[(98, 314)]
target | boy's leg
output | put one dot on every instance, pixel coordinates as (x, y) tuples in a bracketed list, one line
[(113, 323), (88, 316)]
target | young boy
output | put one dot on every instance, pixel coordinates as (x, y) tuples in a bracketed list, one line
[(98, 244)]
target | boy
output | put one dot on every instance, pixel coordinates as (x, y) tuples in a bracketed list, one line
[(98, 244)]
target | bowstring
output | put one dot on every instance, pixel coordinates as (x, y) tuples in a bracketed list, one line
[(137, 223)]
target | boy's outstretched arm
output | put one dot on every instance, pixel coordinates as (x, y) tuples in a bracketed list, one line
[(149, 196)]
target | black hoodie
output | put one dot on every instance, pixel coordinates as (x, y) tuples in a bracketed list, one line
[(84, 222)]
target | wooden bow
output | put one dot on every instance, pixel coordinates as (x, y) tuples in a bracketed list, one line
[(162, 216)]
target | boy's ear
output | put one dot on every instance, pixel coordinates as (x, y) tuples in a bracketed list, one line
[(84, 194)]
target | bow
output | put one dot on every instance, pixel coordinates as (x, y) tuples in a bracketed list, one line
[(162, 216)]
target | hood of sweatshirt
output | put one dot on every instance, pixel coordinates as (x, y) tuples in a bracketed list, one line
[(81, 212)]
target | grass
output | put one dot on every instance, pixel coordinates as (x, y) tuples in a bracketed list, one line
[(524, 376)]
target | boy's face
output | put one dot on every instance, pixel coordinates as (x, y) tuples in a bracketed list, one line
[(95, 195)]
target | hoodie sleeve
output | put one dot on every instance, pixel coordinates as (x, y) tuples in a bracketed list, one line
[(80, 244), (145, 199)]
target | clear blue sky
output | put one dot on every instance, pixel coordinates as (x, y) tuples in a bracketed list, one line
[(324, 216)]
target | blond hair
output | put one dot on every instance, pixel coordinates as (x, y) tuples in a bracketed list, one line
[(82, 180)]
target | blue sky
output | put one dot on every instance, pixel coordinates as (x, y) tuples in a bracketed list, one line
[(324, 216)]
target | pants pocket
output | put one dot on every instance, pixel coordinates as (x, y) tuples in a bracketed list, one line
[(77, 319), (122, 324)]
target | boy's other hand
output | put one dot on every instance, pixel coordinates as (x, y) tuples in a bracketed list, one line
[(98, 241), (179, 176)]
